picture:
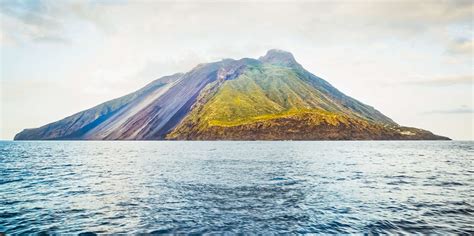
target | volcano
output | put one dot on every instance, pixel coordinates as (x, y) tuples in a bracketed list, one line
[(269, 98)]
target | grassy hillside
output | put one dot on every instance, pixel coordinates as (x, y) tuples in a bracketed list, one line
[(274, 102), (264, 92)]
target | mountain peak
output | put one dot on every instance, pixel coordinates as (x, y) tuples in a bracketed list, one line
[(280, 57)]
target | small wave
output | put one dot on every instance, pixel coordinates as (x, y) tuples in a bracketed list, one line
[(444, 184), (6, 181), (398, 182), (399, 176), (161, 231), (455, 211), (278, 179), (9, 214), (87, 234), (399, 226)]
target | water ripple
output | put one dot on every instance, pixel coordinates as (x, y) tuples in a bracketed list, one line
[(89, 188)]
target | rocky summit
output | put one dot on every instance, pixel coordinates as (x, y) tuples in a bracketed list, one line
[(270, 98)]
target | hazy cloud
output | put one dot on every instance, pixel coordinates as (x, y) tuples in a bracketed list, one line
[(47, 20), (325, 22), (451, 111), (462, 46), (444, 81)]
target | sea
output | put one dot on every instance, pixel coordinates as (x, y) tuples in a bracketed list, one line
[(199, 187)]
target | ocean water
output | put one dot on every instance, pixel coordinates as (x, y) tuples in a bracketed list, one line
[(247, 187)]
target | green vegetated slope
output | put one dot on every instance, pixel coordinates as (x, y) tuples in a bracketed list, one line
[(261, 93), (273, 102), (266, 95)]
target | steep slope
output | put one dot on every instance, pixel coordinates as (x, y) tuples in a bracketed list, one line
[(75, 126), (277, 99), (286, 59), (273, 98), (149, 113)]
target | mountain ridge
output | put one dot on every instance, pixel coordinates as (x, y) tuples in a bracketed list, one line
[(270, 98)]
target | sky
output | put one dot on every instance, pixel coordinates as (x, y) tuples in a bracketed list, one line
[(411, 60)]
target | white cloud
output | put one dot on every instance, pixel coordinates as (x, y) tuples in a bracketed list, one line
[(451, 111), (444, 81), (113, 48)]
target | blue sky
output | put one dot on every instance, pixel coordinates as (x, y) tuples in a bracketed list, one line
[(413, 61)]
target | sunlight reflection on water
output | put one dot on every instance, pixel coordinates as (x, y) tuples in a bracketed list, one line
[(321, 187)]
